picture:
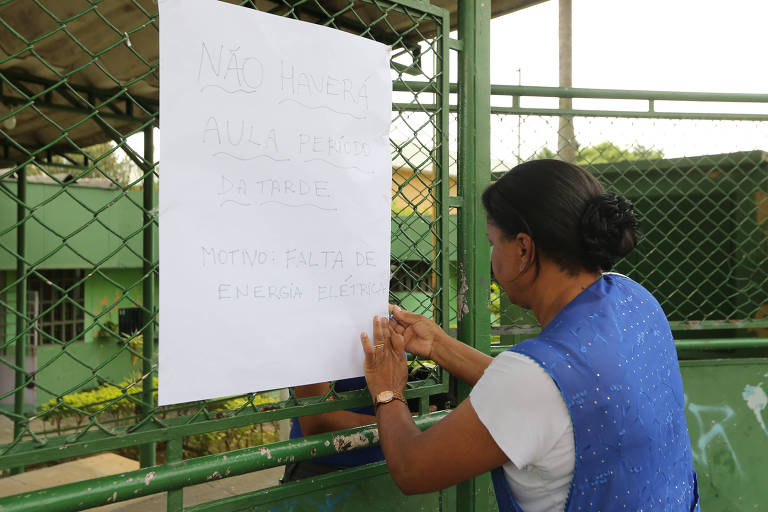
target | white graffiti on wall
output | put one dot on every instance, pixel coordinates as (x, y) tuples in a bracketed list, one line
[(757, 401), (716, 431)]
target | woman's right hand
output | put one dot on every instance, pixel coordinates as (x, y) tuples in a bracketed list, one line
[(420, 333)]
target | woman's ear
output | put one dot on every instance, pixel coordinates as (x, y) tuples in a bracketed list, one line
[(526, 250)]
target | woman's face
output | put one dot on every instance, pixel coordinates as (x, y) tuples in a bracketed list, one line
[(506, 262)]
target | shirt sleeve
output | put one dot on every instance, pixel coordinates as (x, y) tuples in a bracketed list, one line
[(522, 408)]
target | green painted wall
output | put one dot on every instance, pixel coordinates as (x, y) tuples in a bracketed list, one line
[(107, 292), (727, 413), (74, 227), (704, 220), (60, 371)]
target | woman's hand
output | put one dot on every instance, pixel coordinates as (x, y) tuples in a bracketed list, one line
[(419, 333), (385, 365)]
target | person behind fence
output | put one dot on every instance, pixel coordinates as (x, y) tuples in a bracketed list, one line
[(327, 422), (589, 414)]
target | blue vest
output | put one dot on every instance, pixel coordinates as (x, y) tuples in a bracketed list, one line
[(611, 353), (355, 457)]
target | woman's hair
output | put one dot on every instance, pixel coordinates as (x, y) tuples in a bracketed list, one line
[(567, 213)]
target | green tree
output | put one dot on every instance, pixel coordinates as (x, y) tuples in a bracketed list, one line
[(606, 152), (104, 160)]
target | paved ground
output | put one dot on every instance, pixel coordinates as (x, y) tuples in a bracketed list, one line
[(109, 464)]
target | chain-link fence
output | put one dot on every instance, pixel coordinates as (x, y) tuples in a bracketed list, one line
[(78, 232), (696, 167)]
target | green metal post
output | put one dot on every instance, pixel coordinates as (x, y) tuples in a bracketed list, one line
[(442, 165), (174, 452), (21, 308), (474, 176), (147, 455)]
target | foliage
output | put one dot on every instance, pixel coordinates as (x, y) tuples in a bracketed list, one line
[(104, 333), (234, 438), (401, 207), (606, 152), (120, 402), (116, 400), (495, 302), (105, 160)]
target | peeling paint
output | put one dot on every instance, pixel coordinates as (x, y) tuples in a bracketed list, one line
[(352, 442), (757, 401), (214, 476), (112, 498), (463, 308), (265, 451), (327, 443), (149, 477)]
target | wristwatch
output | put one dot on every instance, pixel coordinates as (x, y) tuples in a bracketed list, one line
[(387, 396)]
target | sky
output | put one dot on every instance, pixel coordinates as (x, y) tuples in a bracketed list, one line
[(687, 45)]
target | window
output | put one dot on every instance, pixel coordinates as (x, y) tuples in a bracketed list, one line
[(65, 321), (411, 276)]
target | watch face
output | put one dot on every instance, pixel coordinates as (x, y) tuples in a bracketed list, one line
[(385, 396)]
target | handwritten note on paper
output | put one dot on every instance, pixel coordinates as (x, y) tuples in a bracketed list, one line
[(274, 200)]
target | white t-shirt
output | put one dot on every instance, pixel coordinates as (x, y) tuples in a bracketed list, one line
[(522, 408)]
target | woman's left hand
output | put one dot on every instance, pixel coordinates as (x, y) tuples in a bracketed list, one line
[(385, 365)]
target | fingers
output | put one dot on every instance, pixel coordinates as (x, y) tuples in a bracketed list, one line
[(405, 318), (381, 334), (396, 327), (398, 342), (367, 347)]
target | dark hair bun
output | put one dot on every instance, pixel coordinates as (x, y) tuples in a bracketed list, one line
[(609, 230)]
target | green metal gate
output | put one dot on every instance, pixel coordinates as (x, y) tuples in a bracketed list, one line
[(78, 253)]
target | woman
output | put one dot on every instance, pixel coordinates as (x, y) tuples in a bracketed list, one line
[(586, 416)]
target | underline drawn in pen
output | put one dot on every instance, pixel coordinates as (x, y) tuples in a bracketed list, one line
[(234, 202), (354, 167), (354, 116), (265, 203), (299, 205), (228, 91), (254, 157)]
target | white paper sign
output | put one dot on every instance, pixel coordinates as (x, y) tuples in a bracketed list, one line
[(274, 200)]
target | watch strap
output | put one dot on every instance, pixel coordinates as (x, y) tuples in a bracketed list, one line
[(396, 395)]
